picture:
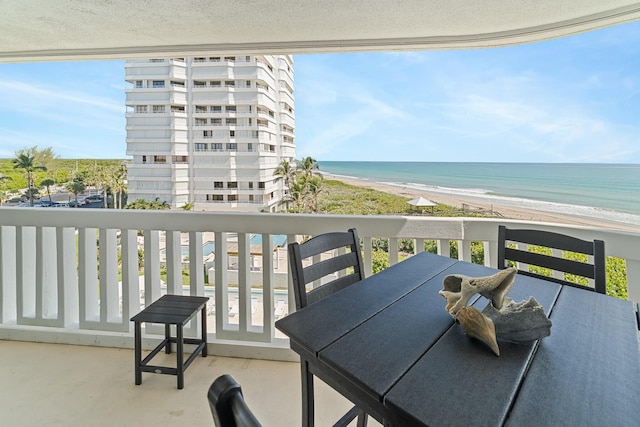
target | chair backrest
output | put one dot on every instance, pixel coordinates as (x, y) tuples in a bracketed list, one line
[(337, 254), (228, 406), (594, 268)]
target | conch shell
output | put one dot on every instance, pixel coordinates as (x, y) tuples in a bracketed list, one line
[(458, 289), (477, 325)]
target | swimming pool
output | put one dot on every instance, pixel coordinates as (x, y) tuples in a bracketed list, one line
[(256, 239)]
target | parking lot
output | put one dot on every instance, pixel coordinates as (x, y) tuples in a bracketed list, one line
[(59, 200)]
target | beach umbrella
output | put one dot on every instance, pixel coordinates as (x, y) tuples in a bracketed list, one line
[(421, 202)]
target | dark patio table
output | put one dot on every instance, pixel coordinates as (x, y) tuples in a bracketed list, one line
[(388, 345)]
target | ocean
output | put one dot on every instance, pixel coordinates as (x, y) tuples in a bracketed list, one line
[(604, 191)]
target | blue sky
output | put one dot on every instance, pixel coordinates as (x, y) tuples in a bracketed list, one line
[(575, 99)]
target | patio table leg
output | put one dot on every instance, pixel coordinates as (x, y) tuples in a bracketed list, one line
[(138, 352), (307, 395), (167, 335), (179, 356), (204, 330)]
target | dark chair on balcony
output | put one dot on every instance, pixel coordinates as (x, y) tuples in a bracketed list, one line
[(594, 268), (228, 406), (326, 264)]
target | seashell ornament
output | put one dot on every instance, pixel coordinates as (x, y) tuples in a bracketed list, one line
[(477, 325), (458, 289), (502, 318)]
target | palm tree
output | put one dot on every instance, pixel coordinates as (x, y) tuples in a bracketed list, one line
[(118, 185), (286, 172), (307, 166), (75, 187), (48, 182), (314, 187), (25, 161)]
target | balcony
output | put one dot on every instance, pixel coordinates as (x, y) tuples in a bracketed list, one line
[(74, 277), (103, 393)]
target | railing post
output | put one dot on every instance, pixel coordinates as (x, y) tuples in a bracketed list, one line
[(7, 274)]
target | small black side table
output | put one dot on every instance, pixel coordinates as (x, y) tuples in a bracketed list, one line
[(170, 310)]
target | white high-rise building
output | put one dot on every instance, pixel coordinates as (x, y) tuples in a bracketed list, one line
[(210, 130)]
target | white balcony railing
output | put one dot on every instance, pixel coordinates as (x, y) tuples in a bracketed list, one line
[(72, 275)]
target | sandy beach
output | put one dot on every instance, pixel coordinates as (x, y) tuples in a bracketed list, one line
[(510, 212)]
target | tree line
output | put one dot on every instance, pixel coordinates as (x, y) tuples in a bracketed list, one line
[(38, 170)]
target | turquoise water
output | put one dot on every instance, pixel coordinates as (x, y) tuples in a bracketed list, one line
[(608, 191), (209, 247)]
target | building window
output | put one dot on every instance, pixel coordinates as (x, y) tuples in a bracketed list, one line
[(218, 184), (201, 109), (215, 83), (199, 59), (215, 198), (177, 109), (229, 83), (216, 122), (251, 197), (232, 147), (216, 109), (141, 108), (230, 58), (158, 108), (230, 108), (207, 134), (180, 159), (231, 121), (138, 83), (216, 146), (261, 185), (232, 198), (249, 147), (159, 159), (214, 59), (232, 133), (158, 83), (144, 159), (232, 184), (201, 122), (201, 147), (250, 185), (198, 83)]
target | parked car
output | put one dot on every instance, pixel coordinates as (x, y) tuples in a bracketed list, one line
[(60, 205), (95, 198), (16, 200)]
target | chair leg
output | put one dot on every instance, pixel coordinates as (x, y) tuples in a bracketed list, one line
[(307, 395), (362, 419)]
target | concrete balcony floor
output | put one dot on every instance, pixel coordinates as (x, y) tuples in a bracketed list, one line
[(66, 385)]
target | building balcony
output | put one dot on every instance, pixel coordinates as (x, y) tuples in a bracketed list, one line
[(76, 276)]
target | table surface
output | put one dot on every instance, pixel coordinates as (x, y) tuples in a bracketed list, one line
[(171, 309), (388, 344)]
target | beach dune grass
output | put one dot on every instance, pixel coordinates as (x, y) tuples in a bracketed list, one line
[(341, 198)]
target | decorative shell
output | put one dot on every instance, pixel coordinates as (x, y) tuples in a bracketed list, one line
[(478, 326), (458, 289), (502, 318)]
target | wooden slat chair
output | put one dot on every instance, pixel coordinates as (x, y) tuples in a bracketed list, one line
[(594, 269), (228, 406), (337, 265)]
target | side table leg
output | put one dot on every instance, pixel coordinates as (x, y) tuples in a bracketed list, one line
[(167, 335), (179, 355), (204, 330), (138, 352)]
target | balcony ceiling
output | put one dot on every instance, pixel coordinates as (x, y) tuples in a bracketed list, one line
[(43, 30)]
